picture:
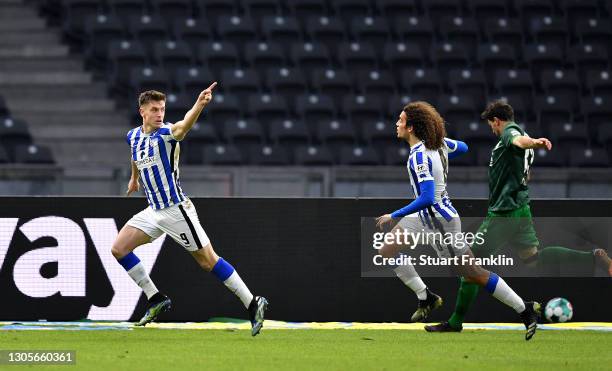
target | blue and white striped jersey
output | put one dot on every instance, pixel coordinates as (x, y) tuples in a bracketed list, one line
[(157, 155), (425, 164)]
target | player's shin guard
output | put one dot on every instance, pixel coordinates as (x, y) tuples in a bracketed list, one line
[(230, 278), (137, 272), (408, 275), (502, 292)]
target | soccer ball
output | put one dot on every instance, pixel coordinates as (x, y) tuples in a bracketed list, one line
[(558, 310)]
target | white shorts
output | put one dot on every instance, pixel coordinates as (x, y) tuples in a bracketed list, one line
[(440, 227), (178, 221)]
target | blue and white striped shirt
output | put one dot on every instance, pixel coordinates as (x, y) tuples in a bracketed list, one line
[(425, 164), (157, 155)]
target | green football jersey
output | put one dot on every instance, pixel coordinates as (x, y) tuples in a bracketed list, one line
[(509, 172)]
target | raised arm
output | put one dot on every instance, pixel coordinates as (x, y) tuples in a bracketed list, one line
[(526, 142), (181, 128), (456, 148)]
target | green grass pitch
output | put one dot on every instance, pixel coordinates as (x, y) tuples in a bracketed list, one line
[(156, 349)]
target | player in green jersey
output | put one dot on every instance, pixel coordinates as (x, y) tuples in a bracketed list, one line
[(508, 219)]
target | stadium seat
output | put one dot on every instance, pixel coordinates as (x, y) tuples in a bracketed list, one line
[(604, 137), (218, 55), (437, 9), (550, 30), (401, 55), (241, 83), (286, 82), (543, 56), (267, 107), (263, 55), (504, 31), (305, 9), (372, 30), (457, 110), (485, 9), (148, 29), (173, 9), (569, 134), (474, 132), (149, 78), (561, 82), (447, 56), (77, 13), (424, 83), (33, 154), (592, 31), (258, 9), (13, 133), (335, 83), (269, 156), (224, 108), (496, 57), (589, 57), (201, 134), (514, 82), (554, 158), (364, 156), (529, 9), (482, 153), (282, 30), (599, 82), (315, 107), (577, 10), (101, 29), (336, 132), (243, 132), (310, 56), (469, 82), (462, 32), (289, 132), (214, 9), (225, 155), (379, 133), (326, 30), (597, 110), (177, 105), (357, 57), (124, 55), (396, 155), (522, 107), (363, 108), (4, 111), (588, 157), (552, 111), (236, 29), (376, 82), (193, 31), (172, 55), (4, 157), (397, 9), (415, 30), (127, 10), (192, 80), (313, 156), (348, 10)]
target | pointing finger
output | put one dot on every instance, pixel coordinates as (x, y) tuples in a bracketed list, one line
[(212, 86)]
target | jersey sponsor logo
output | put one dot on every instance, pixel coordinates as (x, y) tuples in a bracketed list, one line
[(420, 169), (146, 162)]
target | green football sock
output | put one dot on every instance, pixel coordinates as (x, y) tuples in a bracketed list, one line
[(557, 255), (465, 297)]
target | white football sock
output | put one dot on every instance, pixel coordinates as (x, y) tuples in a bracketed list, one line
[(411, 278), (238, 287), (506, 295), (142, 279)]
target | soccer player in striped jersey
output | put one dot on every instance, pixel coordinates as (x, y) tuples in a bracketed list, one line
[(155, 149), (423, 128), (508, 220)]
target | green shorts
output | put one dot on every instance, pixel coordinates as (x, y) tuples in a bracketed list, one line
[(514, 228)]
